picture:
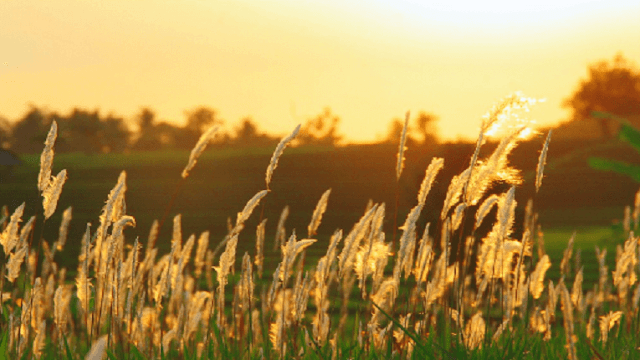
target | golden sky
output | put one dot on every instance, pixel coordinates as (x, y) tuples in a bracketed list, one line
[(283, 61)]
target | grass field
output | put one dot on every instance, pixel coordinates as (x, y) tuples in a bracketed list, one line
[(361, 292)]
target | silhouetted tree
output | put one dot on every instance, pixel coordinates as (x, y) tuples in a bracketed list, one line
[(247, 134), (426, 127), (116, 134), (81, 131), (29, 133), (5, 133), (611, 87), (321, 130), (147, 136)]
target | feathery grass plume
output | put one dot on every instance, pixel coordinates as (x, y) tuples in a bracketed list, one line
[(591, 323), (183, 259), (607, 322), (51, 194), (495, 251), (248, 209), (26, 230), (624, 276), (321, 207), (292, 248), (107, 217), (46, 158), (454, 191), (83, 283), (384, 298), (64, 226), (119, 226), (602, 280), (278, 152), (486, 207), (15, 260), (259, 260), (163, 282), (204, 139), (408, 237), (636, 210), (352, 241), (501, 115), (61, 299), (458, 214), (9, 237), (39, 340), (542, 161), (536, 285), (577, 298), (495, 168), (176, 237), (566, 257), (280, 229), (98, 349), (429, 177), (133, 284), (227, 260), (369, 259), (402, 147), (247, 282), (567, 312), (201, 251), (474, 331), (424, 258)]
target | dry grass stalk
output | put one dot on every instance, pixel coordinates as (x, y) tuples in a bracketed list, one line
[(537, 277), (429, 177), (321, 207), (51, 194), (402, 147), (197, 150), (542, 161), (278, 152), (46, 159), (607, 322), (281, 232), (9, 237), (259, 259), (474, 331), (567, 311), (64, 226)]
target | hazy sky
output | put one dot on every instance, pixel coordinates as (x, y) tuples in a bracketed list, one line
[(283, 61)]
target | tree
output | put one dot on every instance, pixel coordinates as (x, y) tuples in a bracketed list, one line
[(247, 133), (29, 133), (425, 125), (198, 120), (321, 130), (147, 137), (5, 133), (424, 128), (611, 87)]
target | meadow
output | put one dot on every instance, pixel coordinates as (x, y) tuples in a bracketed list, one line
[(201, 262)]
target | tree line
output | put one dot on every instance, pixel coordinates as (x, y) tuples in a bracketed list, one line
[(90, 132)]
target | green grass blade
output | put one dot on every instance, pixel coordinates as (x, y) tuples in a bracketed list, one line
[(4, 345), (619, 167), (66, 348)]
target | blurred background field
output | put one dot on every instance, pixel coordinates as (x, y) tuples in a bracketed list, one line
[(573, 196)]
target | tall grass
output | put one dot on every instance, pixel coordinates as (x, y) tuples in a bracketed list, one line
[(483, 296)]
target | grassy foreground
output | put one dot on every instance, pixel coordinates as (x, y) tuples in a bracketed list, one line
[(439, 291)]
